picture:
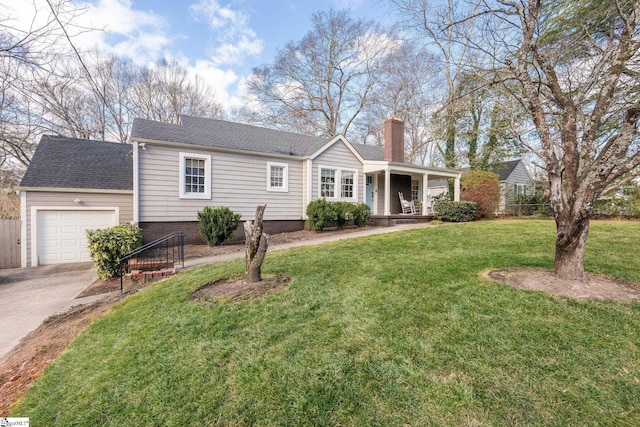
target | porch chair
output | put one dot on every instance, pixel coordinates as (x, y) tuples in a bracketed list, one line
[(407, 206)]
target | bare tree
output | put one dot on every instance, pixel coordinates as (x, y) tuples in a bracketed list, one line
[(574, 67), (431, 21), (166, 91), (112, 92), (27, 48), (320, 84), (42, 38), (407, 90)]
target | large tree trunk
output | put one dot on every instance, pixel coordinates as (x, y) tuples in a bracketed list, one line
[(256, 243), (571, 240)]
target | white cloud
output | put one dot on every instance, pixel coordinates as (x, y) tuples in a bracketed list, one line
[(112, 26), (139, 35), (233, 39), (221, 81), (116, 27)]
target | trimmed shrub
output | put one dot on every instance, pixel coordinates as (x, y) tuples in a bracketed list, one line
[(217, 225), (343, 213), (483, 188), (455, 211), (321, 214), (108, 245), (361, 214)]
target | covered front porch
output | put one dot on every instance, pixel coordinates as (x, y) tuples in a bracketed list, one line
[(386, 181)]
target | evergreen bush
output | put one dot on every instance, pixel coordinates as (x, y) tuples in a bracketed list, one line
[(361, 214), (217, 225), (108, 245), (322, 213), (455, 211)]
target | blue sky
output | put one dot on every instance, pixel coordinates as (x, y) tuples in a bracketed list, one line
[(221, 40)]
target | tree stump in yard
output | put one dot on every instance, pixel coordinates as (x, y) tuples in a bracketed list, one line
[(256, 243)]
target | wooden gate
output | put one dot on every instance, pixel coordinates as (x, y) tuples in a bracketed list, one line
[(9, 243)]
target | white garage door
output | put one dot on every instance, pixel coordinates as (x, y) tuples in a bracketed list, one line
[(62, 234)]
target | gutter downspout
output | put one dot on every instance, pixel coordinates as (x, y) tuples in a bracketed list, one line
[(136, 185)]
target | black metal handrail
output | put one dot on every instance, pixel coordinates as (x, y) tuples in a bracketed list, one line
[(163, 253)]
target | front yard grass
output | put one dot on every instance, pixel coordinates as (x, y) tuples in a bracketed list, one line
[(387, 330)]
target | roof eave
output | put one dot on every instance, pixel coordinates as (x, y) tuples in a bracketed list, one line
[(216, 149), (74, 190), (378, 165), (331, 142)]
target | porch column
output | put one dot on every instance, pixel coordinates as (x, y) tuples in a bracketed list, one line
[(456, 189), (425, 192), (387, 192)]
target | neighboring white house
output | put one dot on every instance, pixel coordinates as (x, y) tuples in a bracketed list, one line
[(172, 171)]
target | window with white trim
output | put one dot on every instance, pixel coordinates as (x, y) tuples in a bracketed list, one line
[(195, 176), (346, 184), (277, 177), (338, 184), (415, 189), (520, 188), (327, 183)]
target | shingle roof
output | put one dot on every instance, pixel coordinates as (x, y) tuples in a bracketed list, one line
[(506, 168), (60, 162), (238, 136)]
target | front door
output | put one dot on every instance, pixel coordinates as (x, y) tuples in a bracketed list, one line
[(369, 191)]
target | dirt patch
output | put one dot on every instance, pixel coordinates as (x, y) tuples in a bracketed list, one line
[(26, 361), (100, 287), (230, 290), (597, 286)]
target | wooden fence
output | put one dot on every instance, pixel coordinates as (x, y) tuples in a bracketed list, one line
[(9, 243)]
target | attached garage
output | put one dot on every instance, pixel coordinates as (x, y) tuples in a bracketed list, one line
[(71, 186), (60, 235)]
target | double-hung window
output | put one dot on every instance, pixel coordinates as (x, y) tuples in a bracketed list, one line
[(520, 188), (347, 184), (338, 184), (327, 183), (195, 176), (277, 177), (415, 189)]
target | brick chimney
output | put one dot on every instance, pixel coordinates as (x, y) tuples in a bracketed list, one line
[(394, 140)]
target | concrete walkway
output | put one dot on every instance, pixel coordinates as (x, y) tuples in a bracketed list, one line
[(31, 295), (309, 242)]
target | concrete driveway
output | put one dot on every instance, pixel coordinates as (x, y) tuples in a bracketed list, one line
[(30, 295)]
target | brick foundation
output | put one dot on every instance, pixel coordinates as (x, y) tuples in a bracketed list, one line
[(155, 230)]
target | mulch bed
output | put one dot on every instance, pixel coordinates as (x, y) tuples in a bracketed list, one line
[(231, 290)]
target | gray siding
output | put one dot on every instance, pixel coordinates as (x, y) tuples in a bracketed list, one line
[(340, 157), (63, 199), (518, 176), (237, 181)]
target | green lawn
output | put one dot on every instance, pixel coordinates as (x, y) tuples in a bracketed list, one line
[(388, 330)]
